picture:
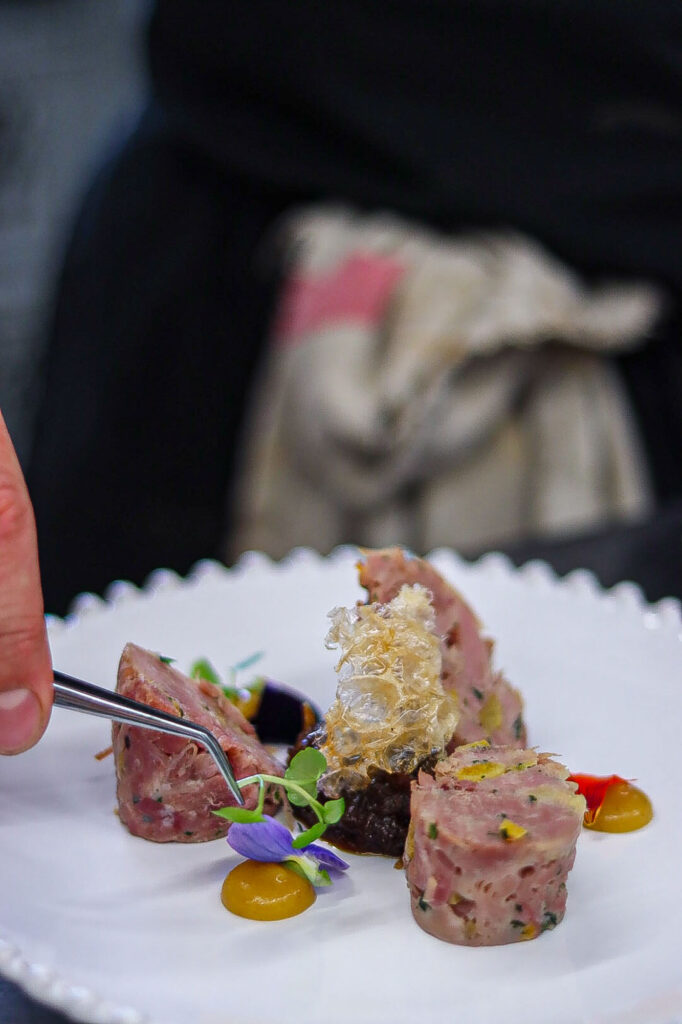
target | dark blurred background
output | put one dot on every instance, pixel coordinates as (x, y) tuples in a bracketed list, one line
[(140, 173), (72, 82)]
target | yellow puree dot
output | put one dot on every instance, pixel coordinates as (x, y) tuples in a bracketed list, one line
[(624, 809), (266, 892)]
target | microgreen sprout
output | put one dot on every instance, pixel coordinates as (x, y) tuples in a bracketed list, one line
[(244, 663), (203, 669), (274, 840), (300, 784), (239, 695)]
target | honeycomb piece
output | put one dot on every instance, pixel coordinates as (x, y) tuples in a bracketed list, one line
[(390, 711)]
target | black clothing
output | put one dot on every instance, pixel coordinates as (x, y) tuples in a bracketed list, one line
[(158, 326), (562, 119)]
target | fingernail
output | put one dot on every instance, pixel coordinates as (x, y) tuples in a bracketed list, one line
[(19, 720)]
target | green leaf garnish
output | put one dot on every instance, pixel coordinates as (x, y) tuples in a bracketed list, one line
[(333, 810), (203, 669), (237, 693), (310, 835), (165, 660), (306, 869), (247, 662), (307, 765), (305, 769), (241, 814), (302, 796)]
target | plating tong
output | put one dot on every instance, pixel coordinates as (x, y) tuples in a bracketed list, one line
[(77, 695)]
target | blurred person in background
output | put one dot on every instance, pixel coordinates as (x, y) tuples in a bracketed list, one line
[(560, 120)]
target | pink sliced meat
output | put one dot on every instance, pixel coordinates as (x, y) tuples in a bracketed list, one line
[(490, 708), (492, 839), (167, 786)]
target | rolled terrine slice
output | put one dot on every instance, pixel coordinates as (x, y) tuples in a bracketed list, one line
[(492, 838), (489, 707), (167, 786)]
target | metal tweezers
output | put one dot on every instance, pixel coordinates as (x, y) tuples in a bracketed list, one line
[(77, 695)]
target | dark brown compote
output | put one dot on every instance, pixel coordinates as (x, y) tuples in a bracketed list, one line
[(376, 818)]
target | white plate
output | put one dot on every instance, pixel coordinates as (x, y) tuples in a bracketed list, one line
[(115, 929)]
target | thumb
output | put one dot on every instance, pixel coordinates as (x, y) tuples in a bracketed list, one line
[(25, 665)]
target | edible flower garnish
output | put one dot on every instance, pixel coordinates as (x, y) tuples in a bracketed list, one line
[(594, 789), (270, 841), (253, 831)]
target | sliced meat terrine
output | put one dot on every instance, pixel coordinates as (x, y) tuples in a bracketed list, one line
[(491, 841), (167, 787), (490, 708)]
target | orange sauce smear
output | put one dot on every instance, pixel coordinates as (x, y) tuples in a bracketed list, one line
[(624, 808), (266, 892)]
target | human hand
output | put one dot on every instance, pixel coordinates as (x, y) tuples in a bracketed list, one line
[(25, 663)]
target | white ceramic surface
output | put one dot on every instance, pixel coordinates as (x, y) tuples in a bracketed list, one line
[(113, 929)]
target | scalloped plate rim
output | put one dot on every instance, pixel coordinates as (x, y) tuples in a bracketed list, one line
[(83, 1004)]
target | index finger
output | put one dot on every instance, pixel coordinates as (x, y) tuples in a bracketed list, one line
[(25, 663)]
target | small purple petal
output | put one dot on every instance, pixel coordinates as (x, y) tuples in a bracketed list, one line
[(325, 858), (265, 840)]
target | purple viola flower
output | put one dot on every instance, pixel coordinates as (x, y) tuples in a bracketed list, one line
[(266, 840), (269, 840), (326, 860)]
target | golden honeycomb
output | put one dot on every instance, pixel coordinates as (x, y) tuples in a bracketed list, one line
[(390, 710)]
